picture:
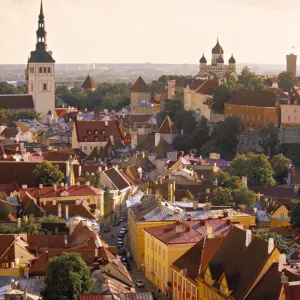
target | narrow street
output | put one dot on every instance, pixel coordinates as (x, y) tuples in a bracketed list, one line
[(108, 237)]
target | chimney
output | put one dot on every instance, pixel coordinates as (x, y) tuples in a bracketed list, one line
[(228, 222), (258, 197), (209, 231), (67, 212), (157, 138), (66, 186), (282, 262), (19, 223), (248, 237), (79, 171), (87, 183), (195, 205), (202, 222), (24, 186), (66, 239), (54, 187), (62, 184), (54, 202), (187, 228), (59, 210), (179, 227), (245, 181), (40, 186), (270, 245), (181, 131), (78, 183)]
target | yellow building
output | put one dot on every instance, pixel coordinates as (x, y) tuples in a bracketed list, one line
[(165, 244), (152, 213)]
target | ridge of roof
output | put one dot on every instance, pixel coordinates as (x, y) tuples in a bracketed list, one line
[(140, 86), (167, 127)]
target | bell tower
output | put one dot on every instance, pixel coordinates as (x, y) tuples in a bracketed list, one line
[(40, 73)]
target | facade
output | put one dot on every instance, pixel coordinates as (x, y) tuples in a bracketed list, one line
[(40, 72), (257, 109), (217, 65), (139, 92), (290, 114), (291, 64)]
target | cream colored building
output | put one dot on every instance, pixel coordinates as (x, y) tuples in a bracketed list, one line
[(40, 72)]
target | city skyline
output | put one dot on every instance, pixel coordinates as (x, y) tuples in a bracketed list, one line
[(142, 31)]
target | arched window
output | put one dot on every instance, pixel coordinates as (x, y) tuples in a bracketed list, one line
[(45, 87), (49, 70), (45, 70), (41, 70)]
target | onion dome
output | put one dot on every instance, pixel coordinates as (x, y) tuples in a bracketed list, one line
[(217, 49), (220, 60), (203, 59), (231, 59)]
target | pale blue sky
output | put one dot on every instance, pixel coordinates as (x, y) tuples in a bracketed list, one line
[(157, 31)]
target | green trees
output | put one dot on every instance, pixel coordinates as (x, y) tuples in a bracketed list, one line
[(51, 219), (222, 196), (201, 134), (243, 196), (28, 226), (255, 167), (8, 89), (286, 81), (280, 165), (269, 139), (295, 215), (47, 174), (67, 276), (15, 115), (278, 240)]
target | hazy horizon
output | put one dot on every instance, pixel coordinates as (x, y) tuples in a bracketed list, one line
[(159, 32)]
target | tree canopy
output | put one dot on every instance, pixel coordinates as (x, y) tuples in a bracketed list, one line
[(286, 81), (67, 276), (280, 165), (255, 167), (47, 174), (9, 89), (15, 115), (295, 215), (269, 139)]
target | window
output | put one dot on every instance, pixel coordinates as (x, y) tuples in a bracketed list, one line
[(45, 70), (85, 147), (49, 70), (89, 132), (148, 242), (31, 70), (31, 86), (155, 248), (155, 266), (282, 215), (103, 131), (90, 255), (45, 87), (96, 132), (295, 110), (80, 147), (175, 276), (289, 118), (207, 278), (223, 289), (96, 139), (158, 250), (91, 147), (205, 291), (295, 118), (194, 291), (179, 279), (208, 191), (40, 70), (164, 272), (163, 253), (252, 118), (188, 287), (85, 138), (148, 260), (159, 269), (267, 120)]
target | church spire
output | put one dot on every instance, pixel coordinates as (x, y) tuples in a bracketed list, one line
[(41, 33)]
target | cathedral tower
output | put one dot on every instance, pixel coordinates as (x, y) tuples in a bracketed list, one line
[(41, 71)]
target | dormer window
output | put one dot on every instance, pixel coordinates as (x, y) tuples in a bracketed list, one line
[(96, 139), (103, 131), (89, 132), (208, 279), (96, 132), (85, 138), (223, 289)]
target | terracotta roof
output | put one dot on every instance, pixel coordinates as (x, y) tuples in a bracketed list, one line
[(253, 98), (162, 149), (192, 231), (195, 84), (167, 127), (10, 132), (239, 264), (16, 102), (73, 191), (195, 259), (132, 119), (208, 87), (8, 187), (269, 286), (38, 242), (21, 172), (285, 232), (116, 178), (96, 130), (63, 154), (276, 192), (89, 83), (140, 86), (133, 173), (95, 297), (30, 207)]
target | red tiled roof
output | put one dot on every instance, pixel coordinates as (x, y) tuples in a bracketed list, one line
[(10, 132), (95, 297), (96, 130), (16, 102), (73, 191), (192, 231), (208, 87), (116, 178), (45, 241), (140, 86), (167, 127)]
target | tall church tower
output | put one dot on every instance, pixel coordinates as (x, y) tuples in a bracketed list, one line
[(41, 71)]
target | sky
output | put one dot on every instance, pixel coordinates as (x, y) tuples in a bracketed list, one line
[(156, 31)]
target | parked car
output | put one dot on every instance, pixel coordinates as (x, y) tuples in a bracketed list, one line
[(121, 234), (120, 245), (107, 229), (139, 283), (122, 219), (124, 228), (121, 251), (116, 223)]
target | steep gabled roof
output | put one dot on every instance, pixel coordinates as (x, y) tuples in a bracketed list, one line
[(140, 86), (89, 83), (167, 127), (16, 102), (116, 178), (162, 149)]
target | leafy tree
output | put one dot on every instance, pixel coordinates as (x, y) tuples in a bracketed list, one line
[(185, 120), (51, 219), (170, 109), (184, 143), (269, 139), (278, 240), (243, 196), (8, 89), (67, 276), (255, 167), (295, 215), (286, 81), (226, 134), (280, 165), (15, 115), (222, 196), (8, 229), (225, 180), (222, 94), (201, 134), (47, 174), (29, 226)]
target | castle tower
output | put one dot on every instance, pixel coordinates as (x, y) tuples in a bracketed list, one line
[(139, 92), (40, 71), (291, 63)]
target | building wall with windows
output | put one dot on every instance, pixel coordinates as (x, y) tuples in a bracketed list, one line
[(290, 115), (183, 288), (158, 260), (253, 117)]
